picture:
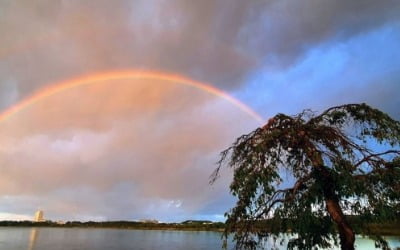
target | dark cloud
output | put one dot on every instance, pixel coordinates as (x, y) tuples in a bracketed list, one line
[(281, 31), (217, 41)]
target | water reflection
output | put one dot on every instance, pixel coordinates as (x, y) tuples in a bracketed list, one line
[(32, 238), (14, 238)]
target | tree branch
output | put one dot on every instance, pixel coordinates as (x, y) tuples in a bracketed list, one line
[(377, 157), (289, 195)]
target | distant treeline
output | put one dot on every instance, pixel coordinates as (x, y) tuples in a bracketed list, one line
[(377, 228), (382, 228), (387, 228), (187, 225)]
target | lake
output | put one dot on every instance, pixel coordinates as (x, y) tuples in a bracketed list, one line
[(15, 238)]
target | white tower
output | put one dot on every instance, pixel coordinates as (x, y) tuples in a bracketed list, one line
[(39, 216)]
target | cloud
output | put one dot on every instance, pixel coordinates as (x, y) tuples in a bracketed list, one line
[(283, 31), (17, 217), (217, 41), (137, 147), (362, 69)]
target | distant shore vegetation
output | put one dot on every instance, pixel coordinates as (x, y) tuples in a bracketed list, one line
[(190, 225), (389, 228)]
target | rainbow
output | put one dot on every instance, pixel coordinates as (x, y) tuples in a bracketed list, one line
[(118, 75)]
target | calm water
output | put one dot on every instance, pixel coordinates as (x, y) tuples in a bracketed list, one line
[(108, 239)]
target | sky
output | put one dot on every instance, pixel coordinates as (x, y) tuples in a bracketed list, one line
[(131, 148)]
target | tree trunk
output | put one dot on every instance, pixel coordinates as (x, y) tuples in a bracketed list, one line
[(346, 233)]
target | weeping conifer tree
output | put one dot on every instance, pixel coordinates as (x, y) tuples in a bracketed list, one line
[(335, 169)]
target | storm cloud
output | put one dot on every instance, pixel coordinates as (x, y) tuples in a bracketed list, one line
[(215, 41)]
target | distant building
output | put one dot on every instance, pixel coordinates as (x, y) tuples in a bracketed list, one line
[(39, 216), (204, 222), (150, 221)]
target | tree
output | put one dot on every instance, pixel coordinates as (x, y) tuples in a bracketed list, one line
[(332, 160)]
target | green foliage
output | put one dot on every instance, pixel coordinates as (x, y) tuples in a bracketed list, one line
[(327, 159)]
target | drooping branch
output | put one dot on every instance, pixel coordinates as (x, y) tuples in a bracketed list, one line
[(376, 158), (285, 195)]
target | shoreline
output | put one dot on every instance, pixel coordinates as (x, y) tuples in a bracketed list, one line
[(128, 225), (124, 228), (387, 229), (360, 235)]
